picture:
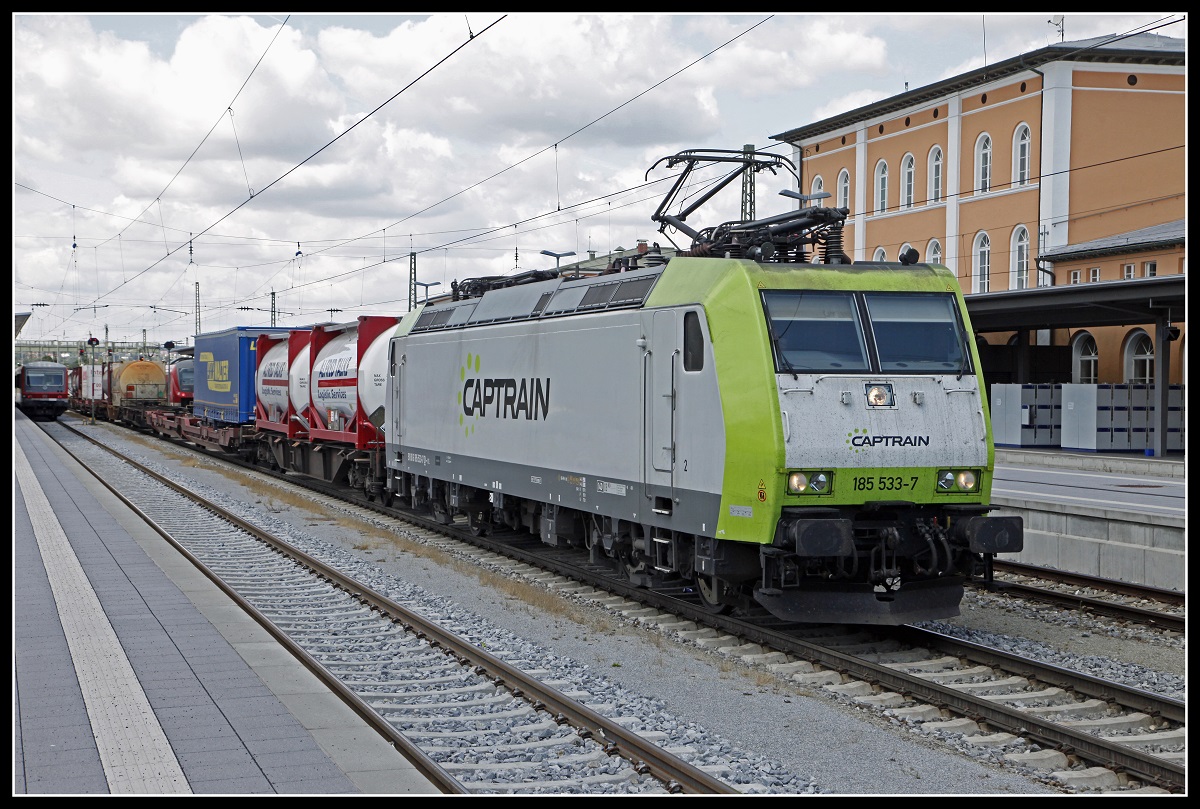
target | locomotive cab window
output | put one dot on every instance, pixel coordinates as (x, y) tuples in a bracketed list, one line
[(693, 343), (917, 332), (815, 331)]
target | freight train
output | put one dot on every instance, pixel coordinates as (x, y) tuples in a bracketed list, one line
[(755, 416), (40, 390)]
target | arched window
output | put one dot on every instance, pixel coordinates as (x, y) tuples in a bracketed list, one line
[(983, 164), (1022, 154), (904, 248), (1085, 359), (1019, 271), (1139, 358), (843, 189), (880, 254), (982, 258), (908, 181), (935, 174), (881, 172), (818, 187), (933, 253)]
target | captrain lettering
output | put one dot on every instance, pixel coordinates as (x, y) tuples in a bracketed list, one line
[(890, 441), (507, 398)]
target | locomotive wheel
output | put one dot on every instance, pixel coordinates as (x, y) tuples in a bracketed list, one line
[(441, 513), (477, 524), (711, 589)]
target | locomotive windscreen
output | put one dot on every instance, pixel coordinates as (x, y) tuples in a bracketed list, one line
[(49, 379), (826, 332), (816, 331), (917, 332)]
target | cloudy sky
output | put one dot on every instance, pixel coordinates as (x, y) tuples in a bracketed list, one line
[(308, 156)]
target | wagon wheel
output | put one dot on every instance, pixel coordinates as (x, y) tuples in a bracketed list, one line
[(711, 590)]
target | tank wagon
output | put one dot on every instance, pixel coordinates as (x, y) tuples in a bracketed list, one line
[(134, 388), (757, 416), (40, 390), (320, 394)]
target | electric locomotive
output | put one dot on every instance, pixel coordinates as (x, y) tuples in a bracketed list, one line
[(756, 416), (40, 389)]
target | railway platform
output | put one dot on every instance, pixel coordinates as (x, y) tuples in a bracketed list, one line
[(134, 674)]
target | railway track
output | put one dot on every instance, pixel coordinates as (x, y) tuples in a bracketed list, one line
[(1123, 601), (1072, 727), (469, 720)]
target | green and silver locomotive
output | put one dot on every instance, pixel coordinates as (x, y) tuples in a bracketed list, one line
[(756, 416)]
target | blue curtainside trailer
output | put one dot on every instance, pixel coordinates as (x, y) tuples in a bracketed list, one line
[(224, 373)]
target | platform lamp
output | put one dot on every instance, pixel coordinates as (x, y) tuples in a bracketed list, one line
[(93, 342)]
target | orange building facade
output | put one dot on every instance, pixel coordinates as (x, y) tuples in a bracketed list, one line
[(1006, 173)]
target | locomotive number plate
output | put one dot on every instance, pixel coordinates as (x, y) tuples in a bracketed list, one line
[(884, 483)]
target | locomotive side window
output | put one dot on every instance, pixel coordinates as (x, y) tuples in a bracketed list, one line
[(815, 331), (693, 343), (917, 332)]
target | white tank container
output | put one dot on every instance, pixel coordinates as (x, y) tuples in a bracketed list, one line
[(342, 382), (271, 386), (372, 379), (334, 382), (298, 382)]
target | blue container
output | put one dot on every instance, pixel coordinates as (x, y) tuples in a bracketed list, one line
[(226, 362)]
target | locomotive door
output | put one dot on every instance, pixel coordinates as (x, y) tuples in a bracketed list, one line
[(660, 404), (395, 396)]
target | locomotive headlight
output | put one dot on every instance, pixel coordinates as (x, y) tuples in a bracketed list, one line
[(957, 480), (818, 482), (809, 482), (880, 396)]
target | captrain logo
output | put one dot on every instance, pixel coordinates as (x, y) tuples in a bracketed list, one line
[(499, 397), (860, 439)]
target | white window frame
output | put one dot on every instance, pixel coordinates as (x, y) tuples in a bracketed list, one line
[(983, 164), (1129, 271), (1022, 154), (1085, 359), (1018, 275), (1076, 276), (1138, 361), (1094, 275), (936, 166), (881, 189), (880, 254), (843, 189), (818, 186), (908, 181), (981, 259), (1149, 269), (933, 252)]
